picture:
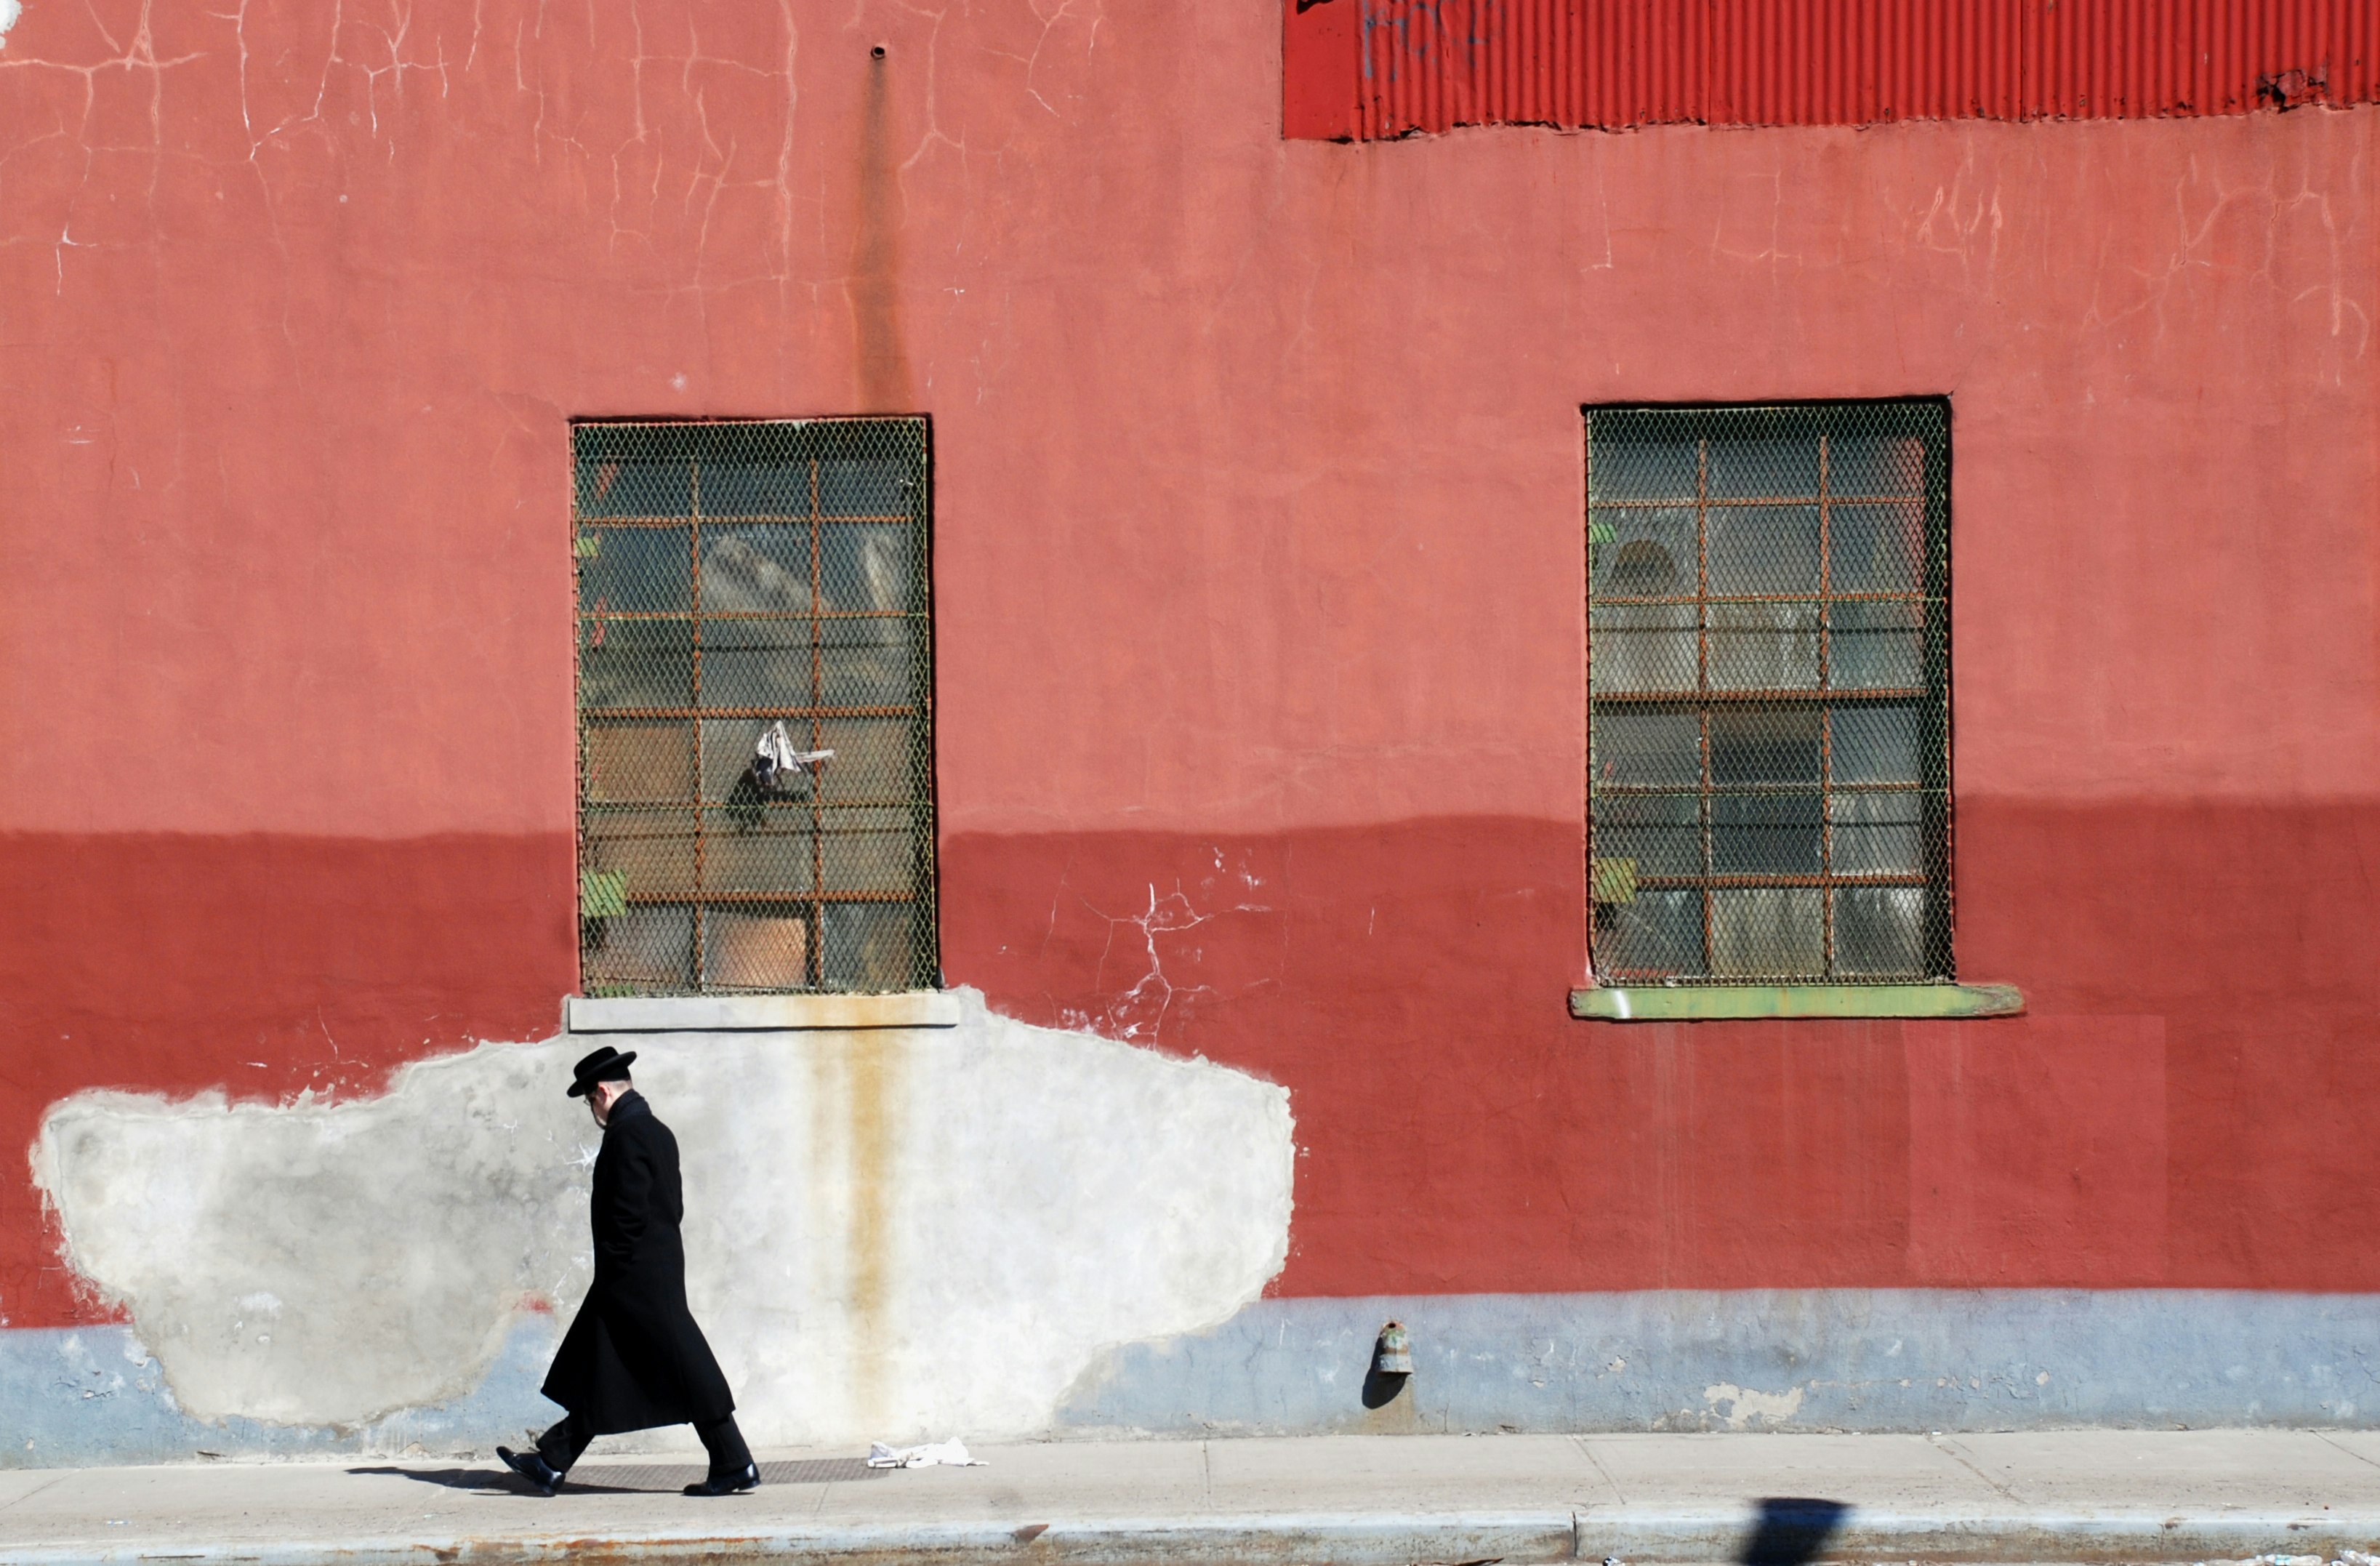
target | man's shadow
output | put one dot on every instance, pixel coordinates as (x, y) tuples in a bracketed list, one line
[(1792, 1530), (627, 1479)]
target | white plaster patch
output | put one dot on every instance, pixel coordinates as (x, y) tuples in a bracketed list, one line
[(1744, 1405), (324, 1264), (889, 1233), (9, 11)]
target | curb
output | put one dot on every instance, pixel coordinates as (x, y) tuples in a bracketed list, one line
[(1296, 1540), (2015, 1537)]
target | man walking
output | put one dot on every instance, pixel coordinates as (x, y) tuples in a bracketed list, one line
[(633, 1358)]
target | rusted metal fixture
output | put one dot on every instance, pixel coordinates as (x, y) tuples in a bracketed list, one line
[(1393, 1353)]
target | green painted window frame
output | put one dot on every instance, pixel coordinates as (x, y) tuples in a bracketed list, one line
[(1929, 990), (1733, 1003)]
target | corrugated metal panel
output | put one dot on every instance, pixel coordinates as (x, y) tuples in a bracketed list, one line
[(1859, 62), (1371, 69)]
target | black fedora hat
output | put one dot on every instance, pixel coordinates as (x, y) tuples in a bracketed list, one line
[(606, 1064)]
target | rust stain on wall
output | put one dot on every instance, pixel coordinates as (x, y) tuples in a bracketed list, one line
[(869, 1073), (881, 360)]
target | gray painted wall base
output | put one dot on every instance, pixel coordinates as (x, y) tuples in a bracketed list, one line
[(70, 1397), (1818, 1359), (1804, 1359)]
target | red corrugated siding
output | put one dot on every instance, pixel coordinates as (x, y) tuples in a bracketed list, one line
[(1371, 69)]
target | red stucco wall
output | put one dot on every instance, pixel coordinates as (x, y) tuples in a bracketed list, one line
[(1258, 585)]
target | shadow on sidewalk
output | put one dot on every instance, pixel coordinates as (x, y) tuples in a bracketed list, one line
[(1792, 1531), (625, 1479)]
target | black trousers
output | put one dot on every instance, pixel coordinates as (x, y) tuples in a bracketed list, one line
[(561, 1446)]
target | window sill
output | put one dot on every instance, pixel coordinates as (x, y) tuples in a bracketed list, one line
[(758, 1014), (1718, 1002)]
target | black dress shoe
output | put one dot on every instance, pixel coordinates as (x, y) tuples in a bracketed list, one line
[(744, 1478), (534, 1468)]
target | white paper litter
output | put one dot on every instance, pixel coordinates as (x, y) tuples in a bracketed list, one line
[(775, 762), (934, 1454)]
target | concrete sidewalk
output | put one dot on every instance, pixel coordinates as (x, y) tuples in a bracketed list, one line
[(2177, 1496)]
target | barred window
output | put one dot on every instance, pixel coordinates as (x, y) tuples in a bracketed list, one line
[(1768, 735), (754, 724)]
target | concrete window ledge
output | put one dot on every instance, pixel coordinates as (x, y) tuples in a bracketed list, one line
[(1716, 1002), (758, 1014)]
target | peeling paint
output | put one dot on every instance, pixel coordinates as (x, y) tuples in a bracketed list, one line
[(1739, 1405), (888, 1233)]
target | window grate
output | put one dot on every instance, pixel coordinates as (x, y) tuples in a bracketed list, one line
[(1768, 714), (754, 662)]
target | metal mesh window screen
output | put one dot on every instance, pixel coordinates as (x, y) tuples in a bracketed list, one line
[(754, 724), (1769, 725)]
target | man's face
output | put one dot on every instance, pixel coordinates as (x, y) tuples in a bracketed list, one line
[(601, 1096)]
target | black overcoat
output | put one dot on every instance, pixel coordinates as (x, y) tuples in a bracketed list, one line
[(633, 1358)]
